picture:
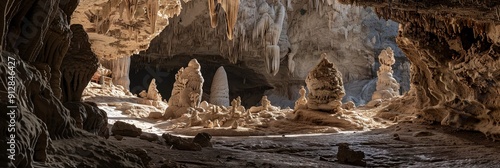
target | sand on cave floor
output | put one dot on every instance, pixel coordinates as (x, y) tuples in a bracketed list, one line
[(121, 105), (289, 143), (418, 146)]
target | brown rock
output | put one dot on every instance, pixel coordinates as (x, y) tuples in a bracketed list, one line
[(149, 136), (118, 137), (180, 143), (203, 139), (155, 115), (125, 129), (345, 155), (141, 153)]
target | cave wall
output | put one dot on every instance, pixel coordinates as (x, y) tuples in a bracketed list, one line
[(352, 36), (36, 36), (454, 51)]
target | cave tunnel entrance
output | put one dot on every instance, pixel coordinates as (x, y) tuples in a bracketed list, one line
[(243, 81)]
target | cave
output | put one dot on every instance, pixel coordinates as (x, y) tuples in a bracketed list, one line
[(332, 83), (243, 81)]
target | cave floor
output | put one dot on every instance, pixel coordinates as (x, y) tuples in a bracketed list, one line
[(418, 146)]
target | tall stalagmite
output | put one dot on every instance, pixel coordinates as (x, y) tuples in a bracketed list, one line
[(219, 92), (387, 86), (187, 91)]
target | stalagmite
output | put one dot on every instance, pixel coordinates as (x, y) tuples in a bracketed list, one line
[(153, 93), (187, 90), (387, 86), (301, 103), (325, 87), (219, 92)]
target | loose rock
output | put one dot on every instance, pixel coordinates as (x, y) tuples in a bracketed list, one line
[(125, 129), (346, 155)]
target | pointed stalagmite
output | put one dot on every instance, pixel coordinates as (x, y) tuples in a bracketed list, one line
[(219, 92), (153, 93), (326, 89)]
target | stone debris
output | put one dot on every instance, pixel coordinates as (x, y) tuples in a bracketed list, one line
[(345, 155), (125, 129)]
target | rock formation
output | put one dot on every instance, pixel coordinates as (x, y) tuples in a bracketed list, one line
[(325, 87), (219, 92), (454, 60), (351, 35), (79, 65), (302, 101), (120, 68), (124, 27), (187, 90), (231, 12), (387, 86), (153, 91)]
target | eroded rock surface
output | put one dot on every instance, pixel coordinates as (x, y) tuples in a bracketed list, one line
[(455, 60)]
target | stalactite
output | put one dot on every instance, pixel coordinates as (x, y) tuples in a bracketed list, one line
[(231, 8), (152, 13), (212, 9)]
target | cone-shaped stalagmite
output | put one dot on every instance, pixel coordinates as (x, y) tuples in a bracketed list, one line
[(325, 87), (219, 92)]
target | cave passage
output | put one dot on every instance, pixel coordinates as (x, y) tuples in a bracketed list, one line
[(243, 81)]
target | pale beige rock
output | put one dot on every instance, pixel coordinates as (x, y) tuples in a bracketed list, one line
[(301, 103), (387, 86), (325, 87), (187, 90), (219, 92)]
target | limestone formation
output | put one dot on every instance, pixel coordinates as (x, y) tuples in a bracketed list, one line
[(187, 90), (231, 9), (325, 87), (124, 27), (387, 86), (89, 117), (454, 61), (75, 73), (349, 33), (219, 92), (120, 68), (301, 103), (269, 29)]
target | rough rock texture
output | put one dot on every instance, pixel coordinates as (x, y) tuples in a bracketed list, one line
[(219, 92), (180, 143), (387, 86), (455, 60), (352, 36), (89, 117), (187, 92), (301, 103), (121, 28), (78, 66), (348, 156), (326, 88), (203, 139), (125, 129)]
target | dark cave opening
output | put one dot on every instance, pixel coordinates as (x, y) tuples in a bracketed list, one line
[(242, 80)]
